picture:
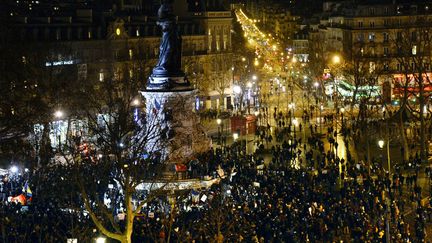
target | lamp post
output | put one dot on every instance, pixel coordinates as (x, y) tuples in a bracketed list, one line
[(381, 145), (318, 119), (219, 122), (249, 91), (237, 90), (295, 123), (291, 111), (336, 61), (58, 115), (136, 104)]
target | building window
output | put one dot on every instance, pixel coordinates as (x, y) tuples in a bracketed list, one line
[(386, 22), (371, 36), (89, 34), (386, 66), (209, 40), (225, 41), (414, 50), (218, 42), (360, 37), (386, 51), (360, 24), (372, 24), (137, 32), (399, 67), (414, 36), (386, 37), (130, 54), (58, 34), (372, 67)]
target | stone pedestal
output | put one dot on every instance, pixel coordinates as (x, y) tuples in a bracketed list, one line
[(179, 134)]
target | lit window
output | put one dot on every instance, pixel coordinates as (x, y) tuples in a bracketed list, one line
[(225, 41), (137, 32), (217, 42), (371, 67), (130, 53), (414, 50), (89, 34), (118, 31)]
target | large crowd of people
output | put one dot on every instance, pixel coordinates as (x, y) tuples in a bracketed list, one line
[(303, 194)]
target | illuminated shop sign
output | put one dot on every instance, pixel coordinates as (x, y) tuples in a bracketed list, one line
[(59, 63)]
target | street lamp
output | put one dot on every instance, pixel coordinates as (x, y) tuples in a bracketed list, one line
[(235, 136), (219, 122), (14, 169), (254, 77), (381, 144), (336, 59), (295, 123), (136, 102), (237, 90), (58, 114)]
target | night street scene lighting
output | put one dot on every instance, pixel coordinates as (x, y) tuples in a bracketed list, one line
[(215, 121)]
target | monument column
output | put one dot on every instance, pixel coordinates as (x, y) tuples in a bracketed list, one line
[(170, 99)]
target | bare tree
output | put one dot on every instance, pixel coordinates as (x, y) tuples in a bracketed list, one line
[(413, 46)]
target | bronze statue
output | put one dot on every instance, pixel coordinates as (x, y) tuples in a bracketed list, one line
[(168, 69), (168, 50)]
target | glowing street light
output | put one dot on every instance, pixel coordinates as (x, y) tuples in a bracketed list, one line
[(256, 63), (218, 121), (381, 144), (254, 77), (249, 85), (316, 84), (58, 114), (136, 102), (14, 169), (336, 59), (295, 122), (235, 136), (237, 89)]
